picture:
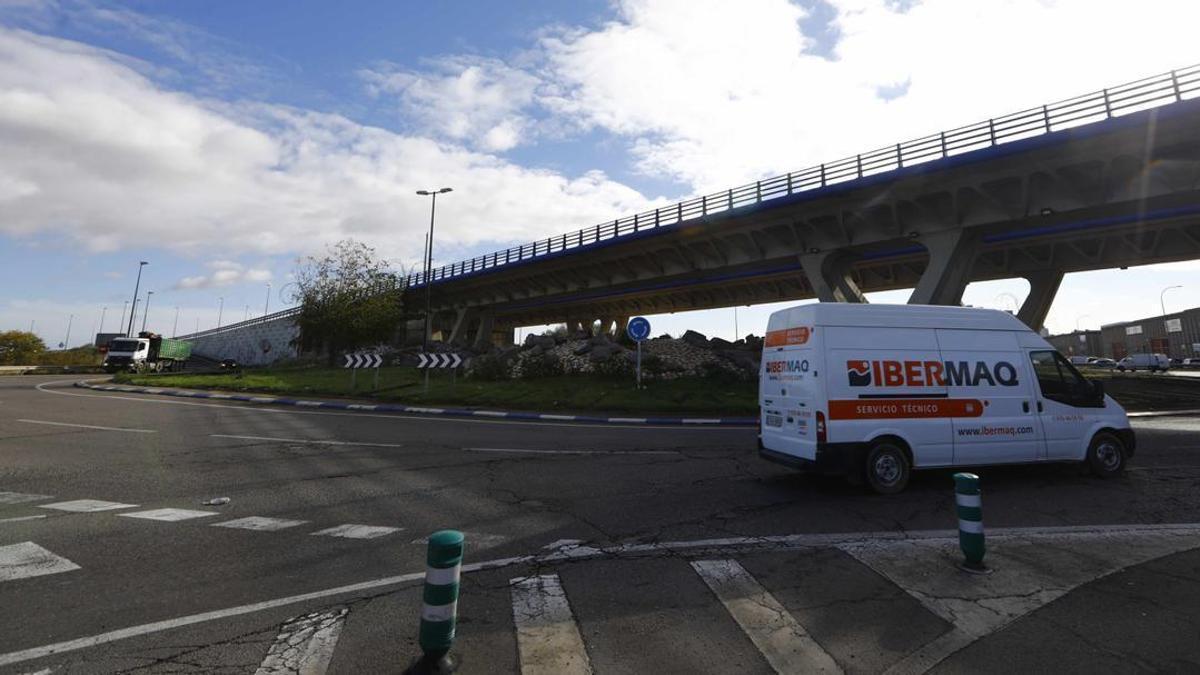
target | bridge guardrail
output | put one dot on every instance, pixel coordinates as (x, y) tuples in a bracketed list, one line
[(1151, 92)]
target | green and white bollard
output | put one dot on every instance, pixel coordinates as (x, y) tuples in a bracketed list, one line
[(970, 521), (438, 613)]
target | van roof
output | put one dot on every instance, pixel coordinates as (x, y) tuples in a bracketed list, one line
[(899, 316)]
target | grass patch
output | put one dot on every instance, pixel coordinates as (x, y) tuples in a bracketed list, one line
[(577, 393)]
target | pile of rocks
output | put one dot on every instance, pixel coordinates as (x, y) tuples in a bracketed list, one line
[(663, 357)]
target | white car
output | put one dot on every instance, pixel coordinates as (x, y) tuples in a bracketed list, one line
[(1150, 362), (875, 391)]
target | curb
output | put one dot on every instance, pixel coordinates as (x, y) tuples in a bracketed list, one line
[(422, 410)]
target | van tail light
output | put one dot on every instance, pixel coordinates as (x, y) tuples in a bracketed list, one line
[(821, 435)]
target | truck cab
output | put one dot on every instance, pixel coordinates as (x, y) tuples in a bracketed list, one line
[(126, 354)]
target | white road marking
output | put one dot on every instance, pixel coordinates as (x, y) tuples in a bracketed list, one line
[(89, 426), (396, 416), (1189, 532), (87, 506), (21, 497), (305, 644), (352, 531), (783, 642), (168, 515), (575, 452), (548, 641), (21, 518), (260, 524), (27, 559), (303, 440)]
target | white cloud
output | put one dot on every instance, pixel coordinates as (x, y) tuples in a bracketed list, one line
[(463, 98), (108, 158), (715, 93), (225, 273)]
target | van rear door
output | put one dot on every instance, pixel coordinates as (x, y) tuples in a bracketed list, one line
[(789, 397)]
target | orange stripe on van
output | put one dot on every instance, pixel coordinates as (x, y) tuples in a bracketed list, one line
[(788, 336), (904, 408)]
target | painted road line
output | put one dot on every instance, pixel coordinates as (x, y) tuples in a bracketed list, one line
[(1187, 534), (352, 531), (21, 497), (21, 518), (574, 452), (260, 524), (27, 559), (44, 388), (303, 440), (168, 515), (305, 644), (359, 588), (89, 426), (310, 404), (548, 641), (87, 506), (783, 642)]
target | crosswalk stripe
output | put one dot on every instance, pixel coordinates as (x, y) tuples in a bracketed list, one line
[(87, 506), (21, 497), (168, 515), (784, 643), (260, 523), (27, 559), (351, 531), (305, 644), (548, 641)]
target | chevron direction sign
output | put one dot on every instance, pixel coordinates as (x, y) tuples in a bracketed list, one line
[(439, 360), (362, 360)]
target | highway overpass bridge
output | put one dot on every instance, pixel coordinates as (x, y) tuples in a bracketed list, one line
[(1108, 179)]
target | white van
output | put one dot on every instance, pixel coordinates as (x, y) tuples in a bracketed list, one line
[(1150, 362), (875, 391)]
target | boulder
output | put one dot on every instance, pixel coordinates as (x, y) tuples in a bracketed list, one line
[(695, 339), (582, 349), (719, 343)]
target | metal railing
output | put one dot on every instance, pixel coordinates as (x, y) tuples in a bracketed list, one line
[(1150, 92), (283, 313)]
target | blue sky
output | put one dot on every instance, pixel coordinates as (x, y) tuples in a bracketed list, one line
[(221, 140)]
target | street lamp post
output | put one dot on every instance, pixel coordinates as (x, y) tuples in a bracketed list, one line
[(146, 310), (175, 328), (429, 270), (1161, 303), (267, 304), (67, 340), (103, 311), (124, 306), (220, 310), (136, 287), (246, 315)]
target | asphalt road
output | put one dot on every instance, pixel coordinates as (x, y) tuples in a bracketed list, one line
[(515, 489)]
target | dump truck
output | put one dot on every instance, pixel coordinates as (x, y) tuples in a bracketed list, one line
[(147, 352)]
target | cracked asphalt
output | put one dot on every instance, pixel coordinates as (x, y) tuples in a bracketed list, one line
[(644, 485)]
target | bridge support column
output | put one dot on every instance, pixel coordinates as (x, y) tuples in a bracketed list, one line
[(829, 275), (951, 258), (1043, 286), (619, 327), (483, 334), (462, 323)]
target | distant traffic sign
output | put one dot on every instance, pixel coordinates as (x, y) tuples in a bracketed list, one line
[(439, 360), (361, 360), (638, 328)]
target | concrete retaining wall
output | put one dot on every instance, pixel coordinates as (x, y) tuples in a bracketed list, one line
[(256, 342)]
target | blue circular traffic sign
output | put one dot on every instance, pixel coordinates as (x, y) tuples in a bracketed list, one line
[(638, 328)]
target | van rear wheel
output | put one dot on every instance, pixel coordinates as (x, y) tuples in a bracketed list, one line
[(887, 468), (1106, 455)]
